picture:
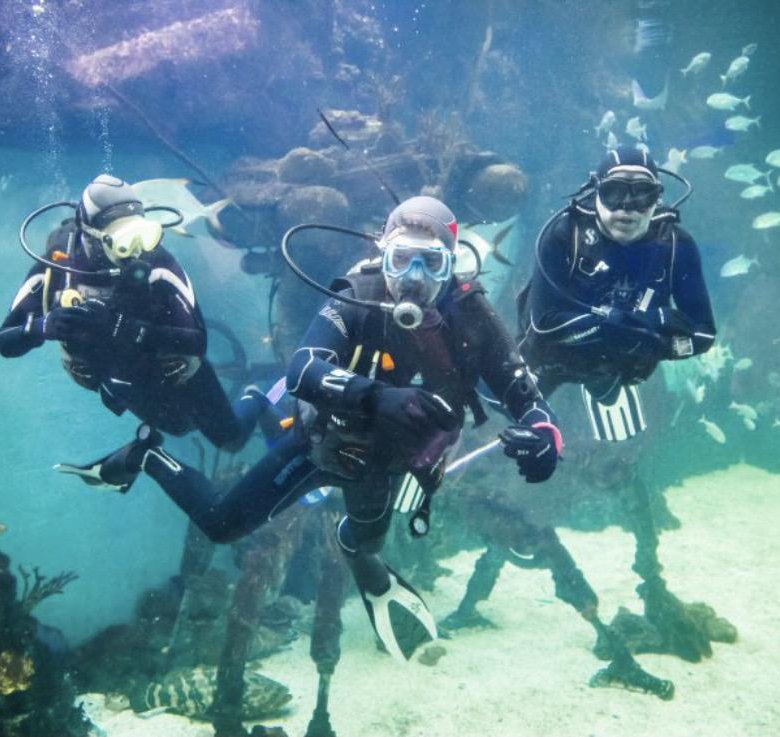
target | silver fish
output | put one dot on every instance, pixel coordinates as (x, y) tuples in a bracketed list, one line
[(767, 220), (675, 159), (741, 123), (607, 121), (697, 64), (744, 410), (635, 129), (745, 173), (743, 364), (773, 158), (713, 430), (175, 193), (754, 191), (748, 423), (736, 69), (612, 142), (776, 423), (749, 50), (725, 101), (705, 152), (643, 102), (697, 391), (738, 266)]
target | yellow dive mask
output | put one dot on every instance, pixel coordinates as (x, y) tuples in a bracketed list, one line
[(127, 237)]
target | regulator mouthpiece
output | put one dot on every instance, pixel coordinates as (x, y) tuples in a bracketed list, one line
[(407, 315)]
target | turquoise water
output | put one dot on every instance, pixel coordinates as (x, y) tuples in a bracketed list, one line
[(148, 89)]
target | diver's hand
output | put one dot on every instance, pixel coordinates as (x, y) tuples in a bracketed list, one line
[(409, 410), (109, 325), (535, 450), (63, 324)]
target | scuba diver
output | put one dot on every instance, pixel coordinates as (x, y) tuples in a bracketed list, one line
[(125, 315), (617, 288), (363, 421)]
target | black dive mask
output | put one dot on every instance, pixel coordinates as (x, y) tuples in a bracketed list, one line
[(628, 194)]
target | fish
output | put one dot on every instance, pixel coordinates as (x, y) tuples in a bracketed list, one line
[(754, 191), (607, 121), (743, 364), (737, 266), (749, 50), (484, 247), (711, 363), (5, 180), (643, 102), (736, 69), (767, 220), (713, 430), (190, 692), (744, 410), (748, 423), (175, 193), (612, 142), (776, 423), (675, 159), (3, 528), (697, 64), (745, 173), (697, 391), (773, 158), (725, 101), (705, 152), (741, 123), (636, 130)]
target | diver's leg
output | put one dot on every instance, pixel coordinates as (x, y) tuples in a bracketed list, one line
[(226, 426), (283, 475), (397, 612)]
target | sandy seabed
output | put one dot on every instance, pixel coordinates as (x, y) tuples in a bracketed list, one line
[(529, 675)]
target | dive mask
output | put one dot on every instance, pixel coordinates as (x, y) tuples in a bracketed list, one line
[(404, 253), (616, 193), (127, 237)]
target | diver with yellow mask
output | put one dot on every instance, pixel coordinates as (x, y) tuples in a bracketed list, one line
[(125, 313)]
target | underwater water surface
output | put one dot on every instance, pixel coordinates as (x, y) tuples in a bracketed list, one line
[(117, 617)]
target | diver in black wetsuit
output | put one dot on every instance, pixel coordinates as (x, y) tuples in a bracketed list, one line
[(618, 287), (363, 422), (128, 323)]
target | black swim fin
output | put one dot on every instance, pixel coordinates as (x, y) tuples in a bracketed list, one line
[(118, 470), (400, 618)]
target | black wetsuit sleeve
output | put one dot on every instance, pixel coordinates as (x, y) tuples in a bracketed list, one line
[(178, 327), (690, 292), (328, 343), (27, 305)]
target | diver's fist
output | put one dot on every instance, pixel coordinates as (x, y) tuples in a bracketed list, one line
[(410, 410), (63, 324), (534, 450)]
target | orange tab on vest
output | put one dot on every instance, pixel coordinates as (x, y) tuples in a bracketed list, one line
[(387, 362), (286, 423), (59, 256)]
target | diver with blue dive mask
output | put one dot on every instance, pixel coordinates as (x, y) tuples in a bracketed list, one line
[(125, 315), (382, 379)]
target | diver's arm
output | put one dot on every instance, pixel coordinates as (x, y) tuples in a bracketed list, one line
[(19, 332), (314, 374), (690, 292)]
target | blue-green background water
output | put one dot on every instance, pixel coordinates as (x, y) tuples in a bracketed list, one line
[(552, 69)]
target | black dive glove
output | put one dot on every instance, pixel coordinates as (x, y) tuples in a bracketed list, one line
[(65, 324), (409, 410), (108, 325), (535, 449)]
